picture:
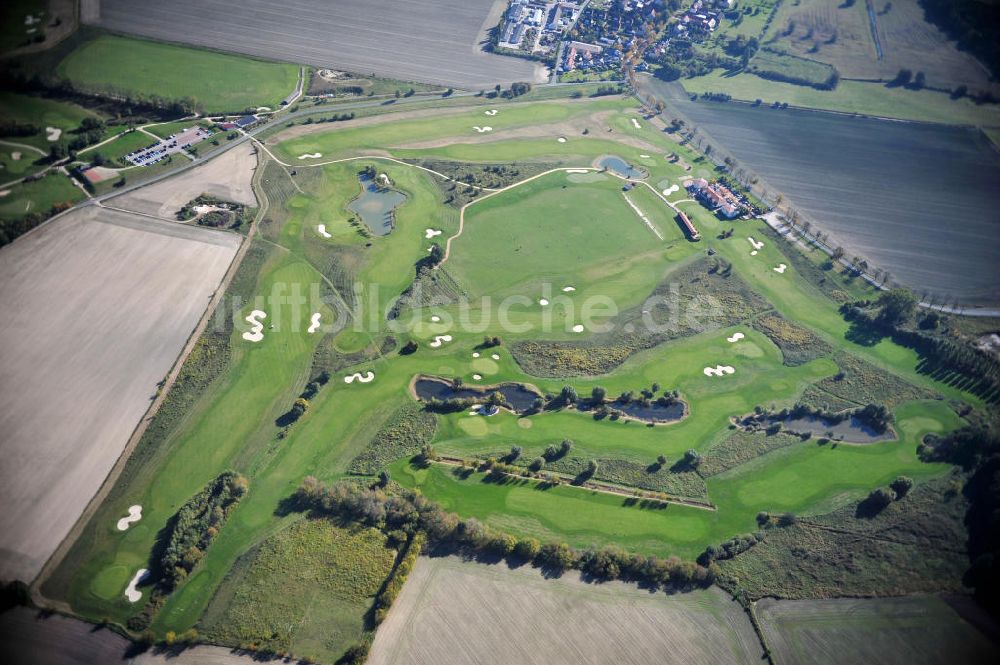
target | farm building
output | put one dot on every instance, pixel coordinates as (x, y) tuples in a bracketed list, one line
[(247, 121)]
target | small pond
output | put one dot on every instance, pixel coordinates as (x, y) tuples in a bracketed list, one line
[(652, 413), (851, 429), (621, 167), (375, 205), (518, 396)]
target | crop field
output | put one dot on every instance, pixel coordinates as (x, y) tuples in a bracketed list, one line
[(215, 81), (924, 174), (131, 325), (442, 604), (865, 98), (915, 629), (354, 35), (831, 32), (322, 388)]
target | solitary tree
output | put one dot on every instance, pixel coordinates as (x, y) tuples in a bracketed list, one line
[(901, 486), (598, 394)]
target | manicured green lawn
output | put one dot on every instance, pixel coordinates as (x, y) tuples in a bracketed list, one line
[(39, 196), (28, 109), (14, 31), (218, 83), (543, 233)]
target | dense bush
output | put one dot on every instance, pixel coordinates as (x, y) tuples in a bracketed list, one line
[(196, 525), (406, 431)]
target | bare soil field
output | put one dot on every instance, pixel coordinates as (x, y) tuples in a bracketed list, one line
[(831, 32), (914, 630), (97, 304), (452, 611), (28, 637), (227, 176), (918, 200), (435, 41)]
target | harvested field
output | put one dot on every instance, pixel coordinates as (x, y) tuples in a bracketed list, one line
[(916, 630), (28, 637), (446, 601), (99, 305), (402, 42), (227, 177), (928, 210)]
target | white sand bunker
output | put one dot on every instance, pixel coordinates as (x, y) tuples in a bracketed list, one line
[(576, 171), (314, 323), (670, 190), (15, 156), (491, 112), (439, 340), (134, 515), (719, 370), (495, 356), (543, 302), (430, 233), (735, 338), (644, 156), (4, 193), (475, 354), (753, 253), (263, 108), (781, 268), (635, 123), (257, 332), (482, 129), (53, 133), (367, 377), (311, 155), (435, 319), (322, 231), (477, 377), (754, 243), (131, 592), (569, 289), (561, 139), (578, 328)]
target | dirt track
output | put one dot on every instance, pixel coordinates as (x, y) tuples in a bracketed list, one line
[(97, 306)]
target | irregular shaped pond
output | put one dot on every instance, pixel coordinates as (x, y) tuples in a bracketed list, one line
[(651, 413), (375, 205), (621, 167), (520, 397), (850, 429)]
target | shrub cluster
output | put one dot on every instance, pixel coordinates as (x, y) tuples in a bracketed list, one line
[(197, 524)]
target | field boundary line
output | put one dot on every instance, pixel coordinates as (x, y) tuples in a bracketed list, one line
[(140, 429)]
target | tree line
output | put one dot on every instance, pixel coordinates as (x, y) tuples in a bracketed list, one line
[(402, 511)]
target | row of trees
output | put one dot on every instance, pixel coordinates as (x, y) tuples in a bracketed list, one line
[(410, 512)]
